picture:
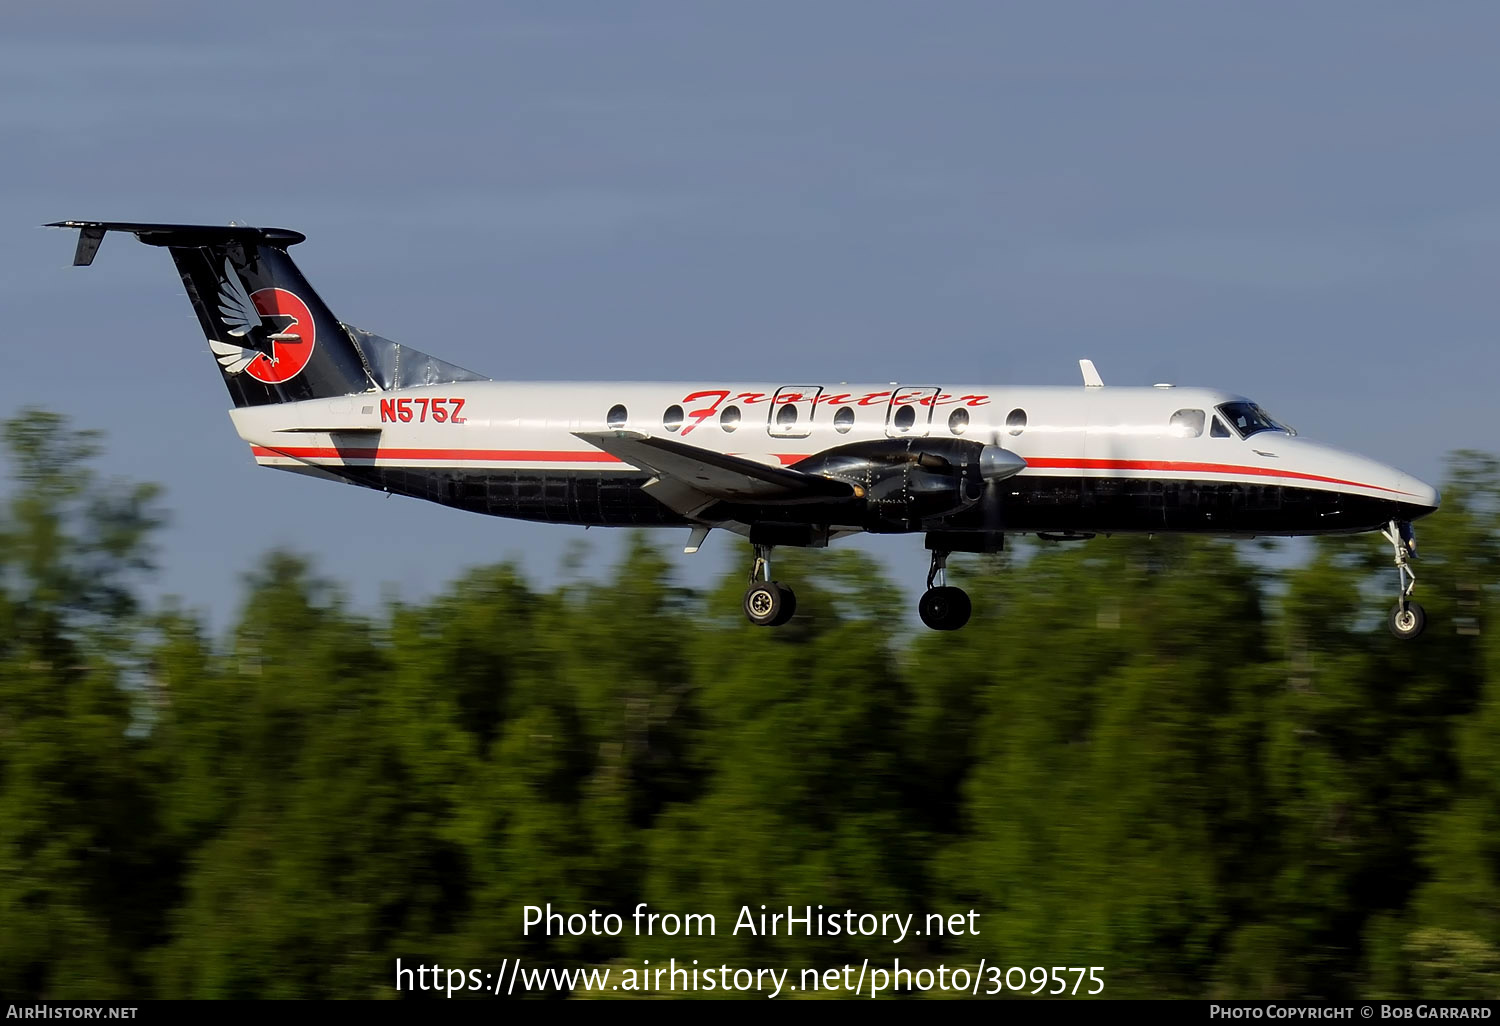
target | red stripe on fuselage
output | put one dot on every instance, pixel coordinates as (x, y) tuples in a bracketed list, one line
[(1174, 466), (456, 455), (325, 452)]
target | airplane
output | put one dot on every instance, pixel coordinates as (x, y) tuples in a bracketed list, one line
[(782, 464)]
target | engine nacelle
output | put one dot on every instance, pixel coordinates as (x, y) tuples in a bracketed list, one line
[(905, 481)]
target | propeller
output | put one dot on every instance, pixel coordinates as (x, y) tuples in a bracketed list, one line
[(990, 504)]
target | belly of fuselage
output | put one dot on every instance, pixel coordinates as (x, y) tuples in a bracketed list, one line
[(1106, 505), (1028, 503)]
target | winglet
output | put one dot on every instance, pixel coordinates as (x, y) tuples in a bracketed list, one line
[(1091, 378), (88, 245)]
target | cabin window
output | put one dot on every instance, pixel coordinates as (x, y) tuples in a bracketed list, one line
[(617, 416), (672, 419), (843, 420), (904, 418), (1015, 423), (730, 418), (958, 421), (786, 416), (1218, 430), (1188, 423)]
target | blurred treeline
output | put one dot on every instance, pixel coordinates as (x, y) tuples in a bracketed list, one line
[(1160, 757)]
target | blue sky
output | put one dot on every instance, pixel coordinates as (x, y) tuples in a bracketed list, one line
[(1294, 201)]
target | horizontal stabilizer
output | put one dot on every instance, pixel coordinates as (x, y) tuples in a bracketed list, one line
[(91, 233), (273, 339), (715, 474)]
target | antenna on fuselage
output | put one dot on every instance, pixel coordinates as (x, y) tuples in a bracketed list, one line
[(1091, 378)]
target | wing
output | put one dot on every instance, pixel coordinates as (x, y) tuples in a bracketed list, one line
[(689, 478), (231, 357), (235, 307)]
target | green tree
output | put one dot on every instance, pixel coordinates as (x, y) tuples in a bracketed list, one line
[(330, 853), (83, 875), (806, 792), (1112, 813), (1446, 944)]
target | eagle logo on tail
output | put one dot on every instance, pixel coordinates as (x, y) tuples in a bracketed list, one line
[(273, 353)]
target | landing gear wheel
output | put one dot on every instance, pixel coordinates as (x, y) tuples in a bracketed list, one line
[(944, 608), (768, 604), (1407, 623)]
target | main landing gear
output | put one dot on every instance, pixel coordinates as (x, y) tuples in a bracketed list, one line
[(943, 608), (1407, 619), (768, 603)]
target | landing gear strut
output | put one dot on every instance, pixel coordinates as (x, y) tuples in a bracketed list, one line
[(1407, 619), (767, 602), (943, 608)]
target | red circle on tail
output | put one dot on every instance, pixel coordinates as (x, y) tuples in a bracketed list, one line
[(290, 356)]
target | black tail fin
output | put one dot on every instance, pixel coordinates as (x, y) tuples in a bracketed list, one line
[(274, 340)]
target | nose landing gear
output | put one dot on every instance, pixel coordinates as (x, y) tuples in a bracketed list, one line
[(1407, 618), (943, 608), (768, 603)]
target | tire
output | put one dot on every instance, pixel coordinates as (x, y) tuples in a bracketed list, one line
[(765, 602), (962, 609), (788, 604), (1407, 625), (945, 609)]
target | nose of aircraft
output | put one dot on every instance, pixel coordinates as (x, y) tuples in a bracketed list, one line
[(1416, 497), (1419, 492)]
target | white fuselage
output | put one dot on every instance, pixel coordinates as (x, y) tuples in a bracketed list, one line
[(1085, 431), (1074, 434)]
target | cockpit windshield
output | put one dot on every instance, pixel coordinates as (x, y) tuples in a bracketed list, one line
[(1249, 419)]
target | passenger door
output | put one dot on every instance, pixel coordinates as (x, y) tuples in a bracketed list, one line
[(910, 411), (792, 409)]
